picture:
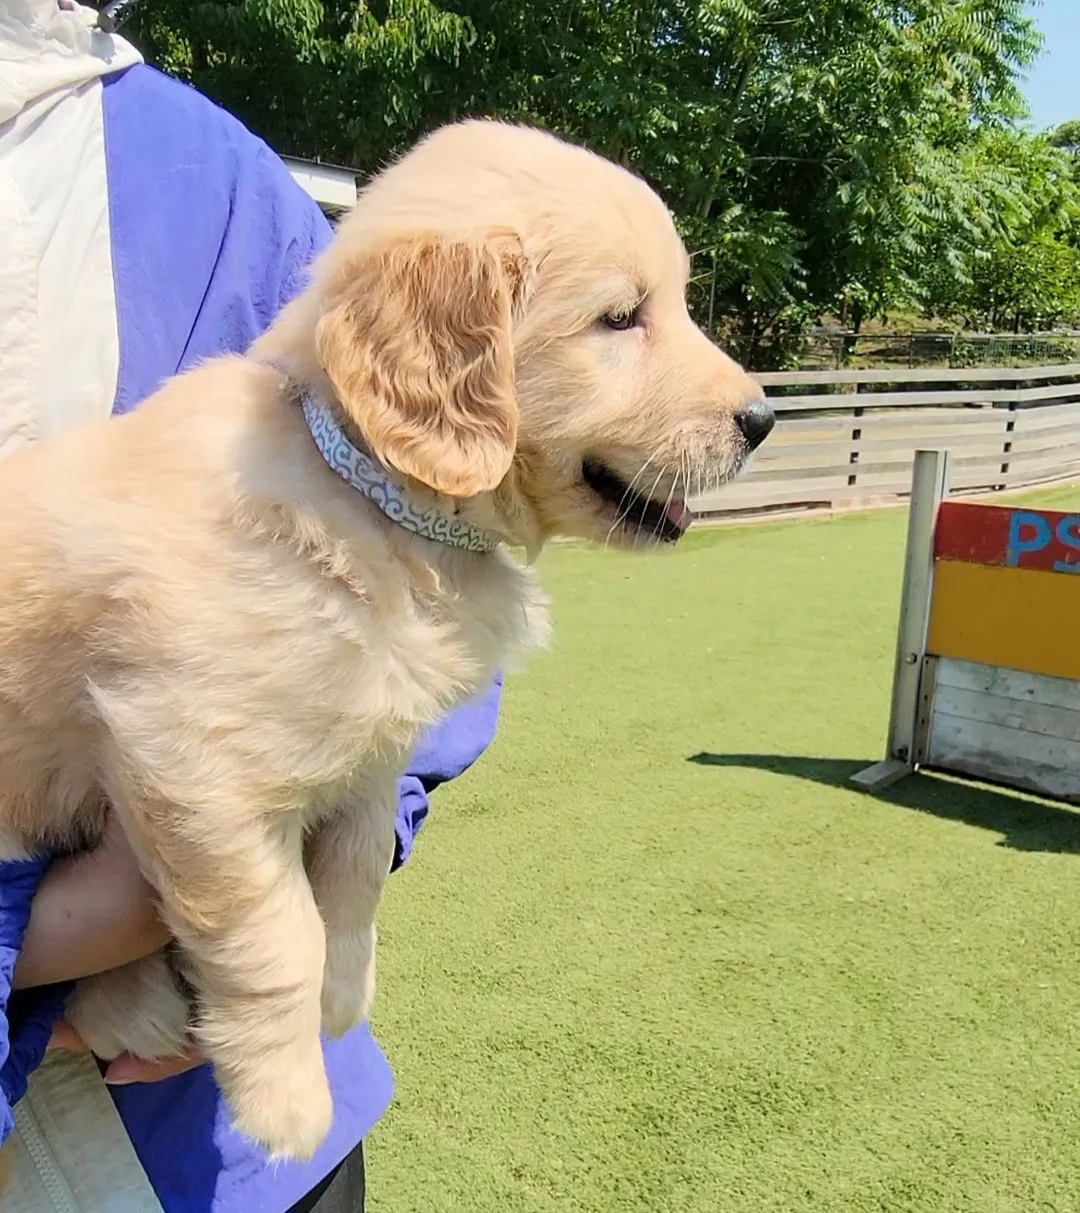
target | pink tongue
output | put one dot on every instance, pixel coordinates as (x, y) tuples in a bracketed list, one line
[(679, 515)]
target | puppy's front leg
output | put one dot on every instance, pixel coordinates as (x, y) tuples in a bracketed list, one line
[(348, 859), (235, 895)]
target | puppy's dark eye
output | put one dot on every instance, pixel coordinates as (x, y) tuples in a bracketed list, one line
[(621, 319)]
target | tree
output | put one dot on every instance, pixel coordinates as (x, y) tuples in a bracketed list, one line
[(1027, 285), (811, 152), (1067, 136), (1017, 265), (317, 78)]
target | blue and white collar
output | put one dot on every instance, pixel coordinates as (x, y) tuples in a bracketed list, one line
[(360, 469)]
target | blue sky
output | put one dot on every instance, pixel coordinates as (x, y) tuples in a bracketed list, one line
[(1053, 85)]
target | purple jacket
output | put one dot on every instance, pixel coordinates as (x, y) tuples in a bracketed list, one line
[(210, 237)]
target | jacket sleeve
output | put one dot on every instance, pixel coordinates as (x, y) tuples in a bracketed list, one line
[(442, 754), (26, 1018)]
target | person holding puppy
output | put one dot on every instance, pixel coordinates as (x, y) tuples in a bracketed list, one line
[(143, 229)]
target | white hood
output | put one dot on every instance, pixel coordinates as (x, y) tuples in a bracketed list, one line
[(51, 44), (59, 344)]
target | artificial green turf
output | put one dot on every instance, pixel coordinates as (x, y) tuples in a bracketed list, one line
[(616, 976)]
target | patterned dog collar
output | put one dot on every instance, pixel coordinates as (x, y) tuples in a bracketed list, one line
[(358, 468)]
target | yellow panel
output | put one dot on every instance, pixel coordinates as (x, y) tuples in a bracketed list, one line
[(1023, 619)]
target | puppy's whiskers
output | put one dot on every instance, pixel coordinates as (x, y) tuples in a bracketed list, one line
[(667, 505), (648, 497), (620, 517)]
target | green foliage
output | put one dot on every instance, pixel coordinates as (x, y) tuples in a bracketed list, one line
[(318, 79), (815, 155), (1016, 242), (1030, 284), (1067, 136)]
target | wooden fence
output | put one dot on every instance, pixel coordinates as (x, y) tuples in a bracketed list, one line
[(848, 438)]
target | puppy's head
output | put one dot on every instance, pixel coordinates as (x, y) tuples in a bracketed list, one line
[(503, 318)]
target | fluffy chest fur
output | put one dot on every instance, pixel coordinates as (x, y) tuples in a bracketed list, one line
[(209, 606)]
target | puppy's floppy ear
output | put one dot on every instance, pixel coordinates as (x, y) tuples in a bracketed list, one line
[(416, 341)]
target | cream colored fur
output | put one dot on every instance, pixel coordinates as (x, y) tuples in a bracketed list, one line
[(206, 628)]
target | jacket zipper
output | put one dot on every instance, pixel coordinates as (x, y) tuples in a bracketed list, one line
[(37, 1146)]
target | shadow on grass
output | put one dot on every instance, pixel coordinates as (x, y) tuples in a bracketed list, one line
[(1026, 823)]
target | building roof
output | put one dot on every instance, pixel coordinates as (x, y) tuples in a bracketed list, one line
[(332, 187)]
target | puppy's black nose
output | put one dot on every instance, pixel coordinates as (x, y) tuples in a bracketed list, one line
[(756, 421)]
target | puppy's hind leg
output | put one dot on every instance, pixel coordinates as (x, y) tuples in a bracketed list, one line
[(236, 898)]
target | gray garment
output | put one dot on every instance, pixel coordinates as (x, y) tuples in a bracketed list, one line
[(70, 1152)]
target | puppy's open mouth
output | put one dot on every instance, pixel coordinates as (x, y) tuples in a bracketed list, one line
[(637, 513)]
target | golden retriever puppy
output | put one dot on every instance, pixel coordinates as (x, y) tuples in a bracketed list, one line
[(229, 614)]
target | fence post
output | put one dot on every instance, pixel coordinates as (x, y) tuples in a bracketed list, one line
[(929, 487), (1006, 450)]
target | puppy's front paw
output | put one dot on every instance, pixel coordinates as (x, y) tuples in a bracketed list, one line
[(348, 983), (283, 1103), (136, 1008)]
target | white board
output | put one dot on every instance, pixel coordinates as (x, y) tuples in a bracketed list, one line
[(1007, 727)]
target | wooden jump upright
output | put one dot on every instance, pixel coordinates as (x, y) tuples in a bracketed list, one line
[(987, 676)]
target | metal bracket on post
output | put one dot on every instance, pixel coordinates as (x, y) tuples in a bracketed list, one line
[(929, 488)]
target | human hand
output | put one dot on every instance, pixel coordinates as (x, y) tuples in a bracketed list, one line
[(127, 1069)]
